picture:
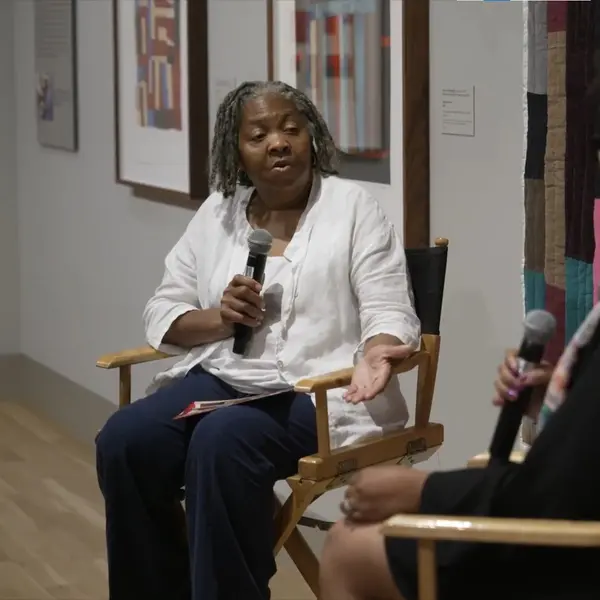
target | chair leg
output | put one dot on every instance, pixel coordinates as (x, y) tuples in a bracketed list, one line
[(288, 535), (290, 514), (304, 558)]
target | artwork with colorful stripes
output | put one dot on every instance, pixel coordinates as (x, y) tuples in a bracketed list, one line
[(158, 51), (499, 0), (562, 266), (340, 47)]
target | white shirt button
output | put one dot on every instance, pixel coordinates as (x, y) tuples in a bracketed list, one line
[(280, 364)]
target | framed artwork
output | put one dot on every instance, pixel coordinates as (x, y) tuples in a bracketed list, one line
[(161, 98), (342, 49), (340, 57), (56, 74)]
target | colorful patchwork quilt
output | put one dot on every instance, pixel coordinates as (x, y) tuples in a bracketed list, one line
[(562, 214)]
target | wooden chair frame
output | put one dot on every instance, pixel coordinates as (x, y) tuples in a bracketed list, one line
[(329, 469), (430, 529)]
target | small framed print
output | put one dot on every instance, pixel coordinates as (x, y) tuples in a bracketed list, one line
[(161, 98)]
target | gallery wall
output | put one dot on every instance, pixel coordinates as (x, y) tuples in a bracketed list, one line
[(90, 254), (9, 262), (477, 202)]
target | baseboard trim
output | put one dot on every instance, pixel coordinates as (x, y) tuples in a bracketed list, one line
[(10, 376), (66, 403)]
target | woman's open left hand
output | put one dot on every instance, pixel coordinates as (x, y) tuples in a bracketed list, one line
[(373, 372)]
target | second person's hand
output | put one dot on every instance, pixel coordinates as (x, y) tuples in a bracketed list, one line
[(376, 493), (509, 383)]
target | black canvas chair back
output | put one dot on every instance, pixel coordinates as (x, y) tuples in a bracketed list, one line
[(427, 267)]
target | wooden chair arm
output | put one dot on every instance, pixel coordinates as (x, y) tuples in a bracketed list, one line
[(327, 463), (536, 532), (481, 460), (134, 356), (343, 377)]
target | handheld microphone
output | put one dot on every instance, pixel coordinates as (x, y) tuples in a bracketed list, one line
[(259, 246), (539, 327)]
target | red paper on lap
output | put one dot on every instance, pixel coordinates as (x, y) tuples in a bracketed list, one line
[(205, 406)]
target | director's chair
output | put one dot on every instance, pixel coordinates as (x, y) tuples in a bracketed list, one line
[(330, 469), (430, 529)]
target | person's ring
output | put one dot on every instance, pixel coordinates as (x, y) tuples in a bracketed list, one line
[(346, 507)]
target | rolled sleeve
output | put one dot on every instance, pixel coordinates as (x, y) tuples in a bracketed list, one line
[(176, 295), (380, 279), (157, 331)]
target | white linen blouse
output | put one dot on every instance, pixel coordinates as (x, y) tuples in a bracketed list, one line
[(349, 282), (257, 371)]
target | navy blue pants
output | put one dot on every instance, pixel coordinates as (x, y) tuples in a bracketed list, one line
[(228, 461)]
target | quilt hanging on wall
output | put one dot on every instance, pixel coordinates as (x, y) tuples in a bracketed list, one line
[(562, 266)]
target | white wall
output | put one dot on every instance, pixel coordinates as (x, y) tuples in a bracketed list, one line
[(477, 202), (90, 255), (9, 263)]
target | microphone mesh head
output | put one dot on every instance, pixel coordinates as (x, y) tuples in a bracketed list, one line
[(260, 241), (540, 326)]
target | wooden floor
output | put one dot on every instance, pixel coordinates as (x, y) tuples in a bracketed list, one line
[(52, 521)]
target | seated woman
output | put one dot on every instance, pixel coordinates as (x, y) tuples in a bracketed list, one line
[(559, 479), (336, 290)]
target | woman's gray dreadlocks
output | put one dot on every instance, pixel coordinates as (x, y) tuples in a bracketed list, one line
[(225, 173)]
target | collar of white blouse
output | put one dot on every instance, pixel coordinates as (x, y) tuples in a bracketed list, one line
[(297, 247)]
